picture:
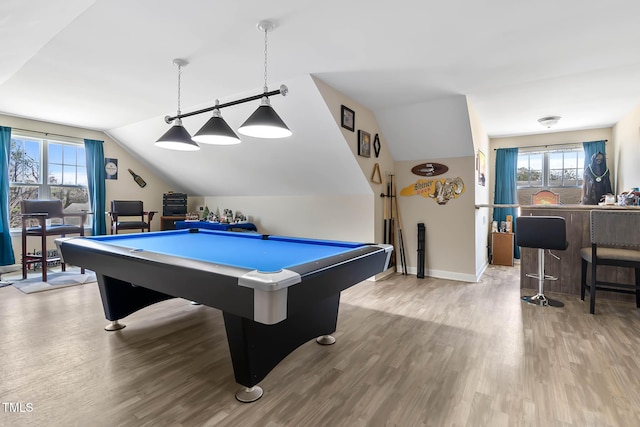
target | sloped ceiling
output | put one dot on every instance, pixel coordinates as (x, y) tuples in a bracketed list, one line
[(106, 65), (315, 161)]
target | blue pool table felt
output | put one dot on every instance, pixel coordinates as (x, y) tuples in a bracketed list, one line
[(243, 250)]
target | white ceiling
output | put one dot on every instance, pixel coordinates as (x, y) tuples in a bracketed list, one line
[(106, 64)]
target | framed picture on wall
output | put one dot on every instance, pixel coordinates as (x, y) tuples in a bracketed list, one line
[(364, 143), (348, 120), (481, 165)]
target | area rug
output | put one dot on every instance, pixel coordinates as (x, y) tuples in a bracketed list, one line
[(59, 280)]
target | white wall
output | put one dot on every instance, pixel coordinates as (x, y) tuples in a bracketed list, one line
[(322, 217), (450, 228), (365, 120), (626, 136), (482, 221)]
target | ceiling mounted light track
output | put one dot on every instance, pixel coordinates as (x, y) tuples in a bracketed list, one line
[(263, 123)]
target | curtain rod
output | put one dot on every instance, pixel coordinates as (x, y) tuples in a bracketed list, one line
[(553, 145), (47, 133)]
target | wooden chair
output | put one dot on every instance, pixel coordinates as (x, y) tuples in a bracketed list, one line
[(545, 197), (41, 212), (615, 240), (542, 232), (129, 208)]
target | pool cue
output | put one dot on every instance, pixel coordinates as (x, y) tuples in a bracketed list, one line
[(403, 260), (392, 239), (384, 203)]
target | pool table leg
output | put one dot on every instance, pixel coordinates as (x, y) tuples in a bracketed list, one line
[(249, 394), (326, 340), (257, 348), (114, 326), (120, 298)]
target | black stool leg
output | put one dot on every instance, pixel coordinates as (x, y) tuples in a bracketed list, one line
[(637, 287), (583, 279)]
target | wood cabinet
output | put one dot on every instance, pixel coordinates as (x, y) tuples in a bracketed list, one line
[(502, 248), (169, 222)]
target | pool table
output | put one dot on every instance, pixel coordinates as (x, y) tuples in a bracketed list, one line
[(276, 293)]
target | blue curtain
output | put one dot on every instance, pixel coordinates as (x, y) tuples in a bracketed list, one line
[(591, 148), (6, 254), (506, 189), (96, 176)]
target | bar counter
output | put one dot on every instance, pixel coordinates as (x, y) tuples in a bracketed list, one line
[(568, 268)]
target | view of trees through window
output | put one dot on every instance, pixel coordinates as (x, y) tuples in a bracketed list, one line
[(62, 163), (552, 168)]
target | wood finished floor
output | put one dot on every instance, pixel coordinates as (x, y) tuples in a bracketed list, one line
[(409, 352)]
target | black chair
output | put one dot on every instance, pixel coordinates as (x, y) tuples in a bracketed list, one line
[(615, 240), (542, 232), (38, 212), (129, 208)]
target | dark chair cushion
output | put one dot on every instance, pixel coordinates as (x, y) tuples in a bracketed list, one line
[(611, 254), (131, 224), (55, 229), (541, 232)]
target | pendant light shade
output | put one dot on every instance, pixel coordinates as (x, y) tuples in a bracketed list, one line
[(177, 138), (265, 123), (216, 131)]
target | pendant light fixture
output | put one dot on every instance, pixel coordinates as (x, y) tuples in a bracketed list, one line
[(216, 130), (265, 122), (177, 138)]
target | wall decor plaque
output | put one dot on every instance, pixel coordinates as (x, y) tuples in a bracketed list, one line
[(429, 169)]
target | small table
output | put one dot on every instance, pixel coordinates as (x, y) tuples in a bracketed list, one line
[(502, 248), (276, 293), (243, 226)]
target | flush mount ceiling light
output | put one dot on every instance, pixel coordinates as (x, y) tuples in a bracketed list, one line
[(263, 123), (549, 121)]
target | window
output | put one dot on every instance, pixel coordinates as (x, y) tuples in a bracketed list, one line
[(62, 163), (551, 168)]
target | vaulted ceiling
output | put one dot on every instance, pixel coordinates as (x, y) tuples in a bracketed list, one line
[(106, 65)]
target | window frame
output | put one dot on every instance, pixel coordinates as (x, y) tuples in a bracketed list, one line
[(546, 169), (44, 187)]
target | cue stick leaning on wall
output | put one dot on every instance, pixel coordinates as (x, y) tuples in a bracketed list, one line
[(384, 207), (403, 260), (392, 239)]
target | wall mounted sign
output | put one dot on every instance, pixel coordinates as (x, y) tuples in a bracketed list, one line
[(441, 190), (429, 169), (111, 168)]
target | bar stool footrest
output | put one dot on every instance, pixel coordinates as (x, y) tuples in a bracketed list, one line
[(542, 300), (546, 276)]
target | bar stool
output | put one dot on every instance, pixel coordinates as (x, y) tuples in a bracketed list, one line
[(542, 232)]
